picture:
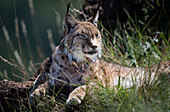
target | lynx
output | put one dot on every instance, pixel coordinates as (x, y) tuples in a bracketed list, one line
[(80, 46), (77, 59)]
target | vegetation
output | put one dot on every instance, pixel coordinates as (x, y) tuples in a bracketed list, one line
[(131, 45), (134, 47), (137, 46)]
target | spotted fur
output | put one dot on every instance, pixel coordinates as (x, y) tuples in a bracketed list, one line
[(80, 46), (77, 59)]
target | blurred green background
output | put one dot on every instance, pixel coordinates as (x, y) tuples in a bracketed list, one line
[(48, 15)]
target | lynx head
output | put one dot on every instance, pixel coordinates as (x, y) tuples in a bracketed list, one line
[(82, 39)]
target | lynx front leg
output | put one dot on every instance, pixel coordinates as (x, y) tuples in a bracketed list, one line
[(39, 88), (77, 95)]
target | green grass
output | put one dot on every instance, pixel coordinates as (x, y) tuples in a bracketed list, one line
[(136, 47), (139, 46), (154, 98)]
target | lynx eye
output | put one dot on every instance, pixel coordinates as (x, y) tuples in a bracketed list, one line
[(96, 34), (83, 36)]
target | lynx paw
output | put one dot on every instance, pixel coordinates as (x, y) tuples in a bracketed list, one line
[(74, 100), (37, 93), (76, 96)]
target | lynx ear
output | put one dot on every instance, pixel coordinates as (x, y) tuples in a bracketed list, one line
[(95, 18), (70, 21)]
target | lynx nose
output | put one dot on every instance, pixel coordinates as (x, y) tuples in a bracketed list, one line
[(93, 47)]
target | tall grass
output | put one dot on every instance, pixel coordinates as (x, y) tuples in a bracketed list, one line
[(23, 46), (130, 45), (133, 46)]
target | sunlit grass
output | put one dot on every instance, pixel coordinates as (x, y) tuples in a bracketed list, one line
[(137, 46), (140, 48), (143, 99)]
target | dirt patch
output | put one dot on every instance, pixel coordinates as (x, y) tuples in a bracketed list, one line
[(14, 94)]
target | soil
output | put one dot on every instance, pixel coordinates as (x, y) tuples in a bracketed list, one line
[(14, 94)]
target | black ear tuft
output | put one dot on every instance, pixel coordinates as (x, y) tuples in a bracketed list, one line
[(95, 18), (68, 8)]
